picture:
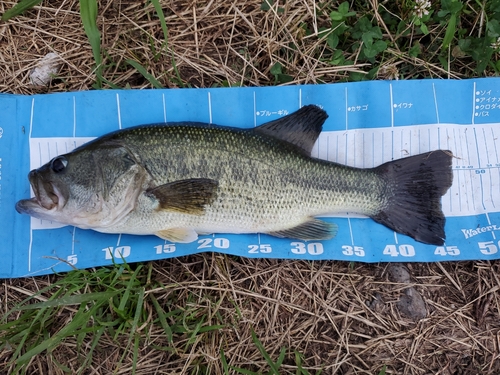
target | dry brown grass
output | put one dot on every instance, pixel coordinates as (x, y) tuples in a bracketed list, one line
[(344, 318), (212, 43)]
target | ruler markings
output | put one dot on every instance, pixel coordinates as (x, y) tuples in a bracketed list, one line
[(118, 110), (489, 165), (383, 146), (479, 166), (477, 182), (164, 108), (486, 147), (337, 149), (457, 174), (477, 148), (392, 144), (363, 148), (209, 107), (391, 104), (346, 135), (73, 241), (327, 148), (435, 102), (350, 230), (465, 185), (428, 140), (419, 150), (448, 147), (489, 223), (254, 110), (74, 116), (493, 136), (396, 238), (411, 144), (346, 110), (470, 170), (353, 151)]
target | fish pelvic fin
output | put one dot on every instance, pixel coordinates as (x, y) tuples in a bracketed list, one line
[(179, 235), (416, 185), (312, 229), (186, 196), (300, 128)]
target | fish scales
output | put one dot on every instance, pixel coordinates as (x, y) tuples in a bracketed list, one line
[(263, 183)]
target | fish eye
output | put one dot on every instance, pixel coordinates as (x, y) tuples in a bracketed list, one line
[(58, 164)]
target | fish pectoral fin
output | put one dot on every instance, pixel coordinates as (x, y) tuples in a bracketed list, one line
[(301, 128), (313, 229), (179, 235), (186, 196)]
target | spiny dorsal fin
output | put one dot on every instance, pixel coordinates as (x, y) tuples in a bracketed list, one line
[(301, 128), (313, 229), (186, 196)]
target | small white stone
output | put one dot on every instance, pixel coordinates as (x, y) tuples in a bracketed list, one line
[(46, 69)]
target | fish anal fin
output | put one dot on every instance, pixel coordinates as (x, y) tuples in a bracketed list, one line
[(300, 128), (417, 185), (186, 196), (179, 235), (312, 229)]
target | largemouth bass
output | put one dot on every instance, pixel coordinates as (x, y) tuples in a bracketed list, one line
[(179, 180)]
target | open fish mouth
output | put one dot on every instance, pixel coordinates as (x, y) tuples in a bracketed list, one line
[(45, 192), (47, 196)]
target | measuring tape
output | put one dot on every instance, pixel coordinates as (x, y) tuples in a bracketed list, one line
[(369, 123)]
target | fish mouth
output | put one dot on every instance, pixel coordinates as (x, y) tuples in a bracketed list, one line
[(47, 196)]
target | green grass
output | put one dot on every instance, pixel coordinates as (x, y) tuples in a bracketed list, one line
[(112, 301), (448, 36), (19, 8)]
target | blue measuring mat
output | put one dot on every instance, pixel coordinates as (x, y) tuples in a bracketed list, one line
[(369, 123)]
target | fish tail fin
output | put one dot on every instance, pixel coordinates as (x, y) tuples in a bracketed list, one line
[(416, 185)]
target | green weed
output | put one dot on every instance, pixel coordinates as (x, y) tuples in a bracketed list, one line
[(112, 302), (279, 76), (275, 366), (163, 22), (154, 82), (19, 8), (444, 33), (88, 14)]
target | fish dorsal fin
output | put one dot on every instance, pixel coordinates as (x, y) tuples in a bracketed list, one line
[(187, 196), (180, 235), (301, 128), (312, 229)]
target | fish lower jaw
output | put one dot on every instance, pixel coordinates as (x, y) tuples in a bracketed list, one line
[(33, 208)]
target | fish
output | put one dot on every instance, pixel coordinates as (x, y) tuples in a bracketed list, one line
[(180, 180)]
